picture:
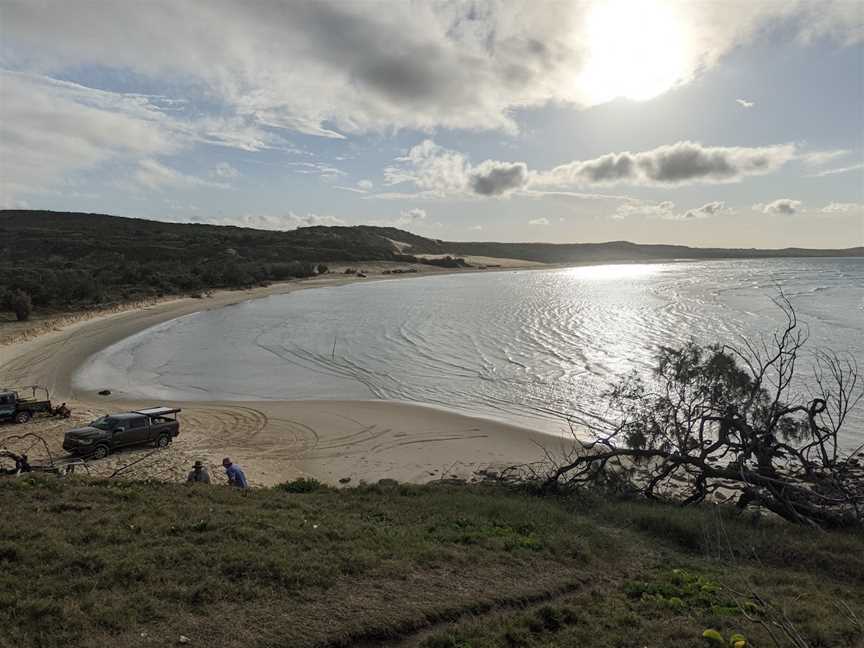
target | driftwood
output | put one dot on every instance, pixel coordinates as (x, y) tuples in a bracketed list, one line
[(731, 421)]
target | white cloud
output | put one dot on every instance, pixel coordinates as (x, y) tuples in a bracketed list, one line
[(440, 172), (475, 228), (785, 206), (410, 217), (49, 130), (744, 103), (666, 210), (818, 158), (362, 187), (155, 175), (680, 163), (830, 172), (281, 222), (54, 130), (706, 210), (225, 171), (842, 208), (328, 68), (316, 168), (539, 221), (332, 69)]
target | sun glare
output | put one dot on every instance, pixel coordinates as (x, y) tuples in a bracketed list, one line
[(637, 49)]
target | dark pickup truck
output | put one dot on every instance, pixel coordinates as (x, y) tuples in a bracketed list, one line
[(155, 426), (16, 405)]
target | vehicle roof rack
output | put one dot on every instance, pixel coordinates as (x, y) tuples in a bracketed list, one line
[(157, 411)]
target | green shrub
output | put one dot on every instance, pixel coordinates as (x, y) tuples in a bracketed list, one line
[(302, 485)]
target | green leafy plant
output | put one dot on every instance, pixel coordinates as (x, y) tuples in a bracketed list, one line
[(714, 638)]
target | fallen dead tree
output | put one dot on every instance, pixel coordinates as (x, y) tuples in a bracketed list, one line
[(731, 421)]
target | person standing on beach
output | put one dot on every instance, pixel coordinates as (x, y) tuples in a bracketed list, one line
[(199, 474), (236, 477)]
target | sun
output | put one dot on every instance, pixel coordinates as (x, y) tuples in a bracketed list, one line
[(637, 49)]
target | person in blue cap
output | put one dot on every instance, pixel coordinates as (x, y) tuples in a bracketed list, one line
[(236, 476)]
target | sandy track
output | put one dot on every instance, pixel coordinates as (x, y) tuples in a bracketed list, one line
[(273, 441)]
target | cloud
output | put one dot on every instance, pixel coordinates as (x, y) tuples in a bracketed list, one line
[(498, 178), (413, 219), (57, 130), (664, 209), (363, 187), (224, 170), (155, 175), (680, 163), (316, 168), (281, 222), (242, 75), (744, 103), (842, 208), (818, 158), (781, 206), (830, 172), (331, 68), (475, 228), (706, 210), (539, 221), (410, 217), (51, 130), (438, 172)]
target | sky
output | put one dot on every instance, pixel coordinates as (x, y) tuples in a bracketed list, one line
[(724, 123)]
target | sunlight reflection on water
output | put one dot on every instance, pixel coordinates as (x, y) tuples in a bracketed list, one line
[(524, 346)]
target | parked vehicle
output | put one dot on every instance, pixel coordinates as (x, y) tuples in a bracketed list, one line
[(155, 426), (22, 404)]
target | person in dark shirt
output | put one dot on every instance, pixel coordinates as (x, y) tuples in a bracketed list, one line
[(199, 474), (235, 475)]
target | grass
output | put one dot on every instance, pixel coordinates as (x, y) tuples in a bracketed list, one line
[(95, 563)]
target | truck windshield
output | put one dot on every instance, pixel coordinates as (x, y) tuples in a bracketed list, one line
[(104, 423)]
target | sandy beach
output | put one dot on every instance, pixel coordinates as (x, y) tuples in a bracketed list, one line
[(335, 441)]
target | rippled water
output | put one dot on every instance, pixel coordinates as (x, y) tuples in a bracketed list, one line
[(525, 346)]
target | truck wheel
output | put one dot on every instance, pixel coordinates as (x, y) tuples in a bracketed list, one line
[(23, 417), (100, 452), (163, 441)]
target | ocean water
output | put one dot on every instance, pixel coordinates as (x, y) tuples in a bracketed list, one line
[(530, 347)]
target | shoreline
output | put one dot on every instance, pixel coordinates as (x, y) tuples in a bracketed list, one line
[(334, 441)]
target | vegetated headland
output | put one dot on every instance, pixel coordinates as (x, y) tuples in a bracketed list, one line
[(69, 261)]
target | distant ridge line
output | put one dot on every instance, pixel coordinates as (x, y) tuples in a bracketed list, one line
[(360, 242)]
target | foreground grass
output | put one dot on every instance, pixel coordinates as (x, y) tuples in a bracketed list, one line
[(89, 563)]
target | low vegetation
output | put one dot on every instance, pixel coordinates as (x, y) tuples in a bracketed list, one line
[(103, 563)]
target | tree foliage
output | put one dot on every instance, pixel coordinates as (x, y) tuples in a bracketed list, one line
[(733, 422), (17, 301)]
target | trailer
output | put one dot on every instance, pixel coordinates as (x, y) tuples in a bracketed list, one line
[(18, 462)]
